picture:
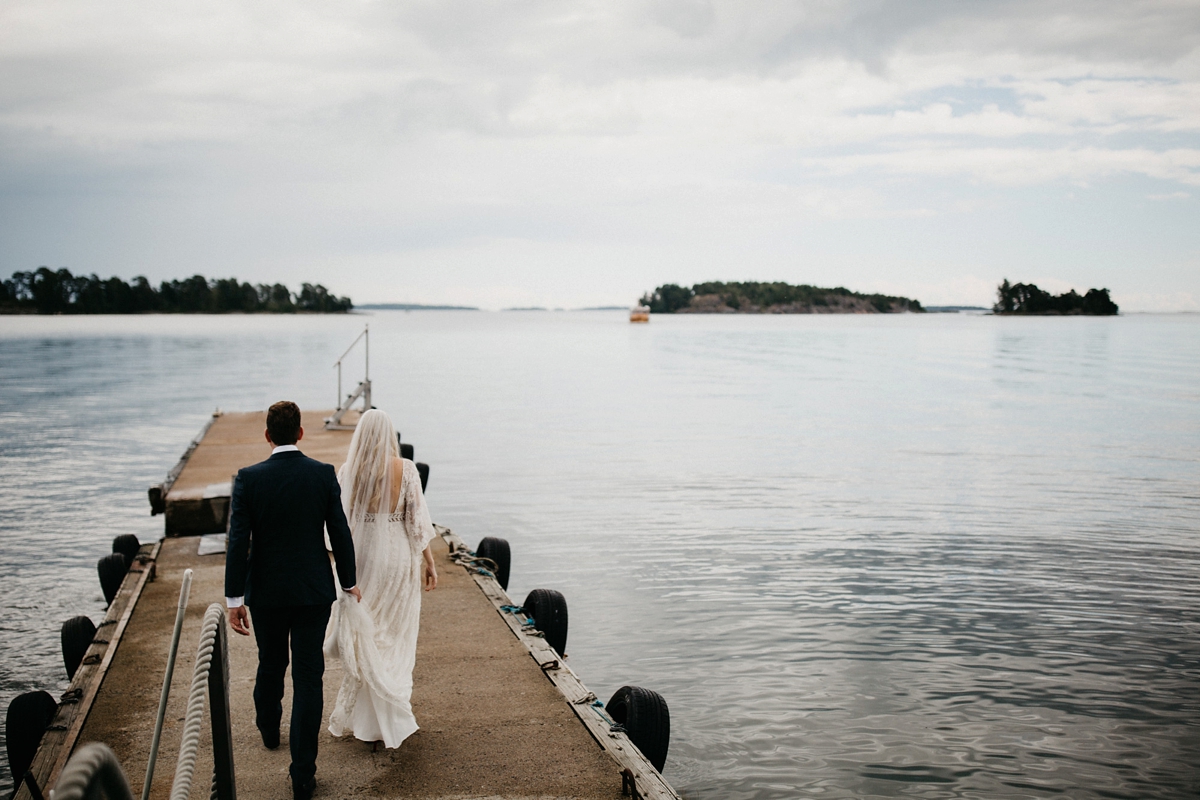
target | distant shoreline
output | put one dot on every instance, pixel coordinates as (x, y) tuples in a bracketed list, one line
[(411, 307), (422, 307), (48, 291)]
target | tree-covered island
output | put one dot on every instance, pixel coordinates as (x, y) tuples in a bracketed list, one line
[(715, 297), (1027, 298), (47, 291)]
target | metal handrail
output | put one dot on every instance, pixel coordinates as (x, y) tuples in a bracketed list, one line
[(366, 328), (366, 366), (364, 387), (184, 592)]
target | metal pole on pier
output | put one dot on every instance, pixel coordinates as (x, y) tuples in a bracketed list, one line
[(367, 367), (184, 591)]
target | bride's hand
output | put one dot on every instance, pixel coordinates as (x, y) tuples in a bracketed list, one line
[(430, 577)]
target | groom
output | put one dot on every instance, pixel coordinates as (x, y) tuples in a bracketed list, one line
[(278, 566)]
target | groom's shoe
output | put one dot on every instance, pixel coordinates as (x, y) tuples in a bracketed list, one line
[(304, 791), (270, 737)]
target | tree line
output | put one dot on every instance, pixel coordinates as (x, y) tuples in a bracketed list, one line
[(1027, 298), (47, 291), (754, 297)]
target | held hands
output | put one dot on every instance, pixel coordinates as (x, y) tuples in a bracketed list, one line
[(239, 620)]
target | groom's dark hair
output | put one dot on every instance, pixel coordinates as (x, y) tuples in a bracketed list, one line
[(283, 422)]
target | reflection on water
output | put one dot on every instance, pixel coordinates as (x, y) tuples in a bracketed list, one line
[(931, 556)]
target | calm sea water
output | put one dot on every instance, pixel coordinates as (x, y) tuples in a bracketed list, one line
[(922, 556)]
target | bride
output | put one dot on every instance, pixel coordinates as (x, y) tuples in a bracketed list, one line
[(377, 638)]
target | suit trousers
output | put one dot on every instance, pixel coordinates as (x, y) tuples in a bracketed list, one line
[(305, 626)]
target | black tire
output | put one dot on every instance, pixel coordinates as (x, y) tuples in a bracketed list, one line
[(157, 504), (28, 717), (127, 545), (406, 451), (644, 716), (112, 569), (424, 470), (77, 635), (549, 611), (497, 550)]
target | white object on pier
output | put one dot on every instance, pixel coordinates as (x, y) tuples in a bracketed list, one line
[(211, 544)]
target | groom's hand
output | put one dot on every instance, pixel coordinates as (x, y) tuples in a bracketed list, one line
[(355, 593), (239, 620)]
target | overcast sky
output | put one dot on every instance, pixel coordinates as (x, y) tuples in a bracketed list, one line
[(571, 154)]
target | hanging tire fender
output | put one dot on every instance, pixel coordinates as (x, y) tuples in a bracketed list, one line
[(77, 635), (644, 715), (128, 545), (497, 550), (548, 608), (112, 569), (28, 716)]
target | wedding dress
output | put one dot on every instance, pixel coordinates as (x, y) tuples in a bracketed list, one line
[(377, 638)]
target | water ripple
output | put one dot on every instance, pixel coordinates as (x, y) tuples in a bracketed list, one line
[(937, 557)]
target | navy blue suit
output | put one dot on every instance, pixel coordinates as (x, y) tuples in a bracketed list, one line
[(276, 559)]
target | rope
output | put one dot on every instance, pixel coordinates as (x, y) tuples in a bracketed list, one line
[(93, 763), (519, 613), (528, 626), (185, 767), (613, 725), (478, 564)]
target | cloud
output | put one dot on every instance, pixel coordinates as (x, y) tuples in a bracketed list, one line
[(228, 130), (135, 73), (1025, 166)]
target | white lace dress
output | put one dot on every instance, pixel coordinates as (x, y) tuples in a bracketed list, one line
[(377, 638)]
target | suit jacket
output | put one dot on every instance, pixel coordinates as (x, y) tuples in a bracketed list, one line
[(276, 555)]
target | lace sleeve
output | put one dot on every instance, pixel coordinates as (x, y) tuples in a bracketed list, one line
[(416, 514)]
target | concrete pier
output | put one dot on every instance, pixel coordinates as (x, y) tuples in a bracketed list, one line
[(491, 724), (501, 716), (195, 496)]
